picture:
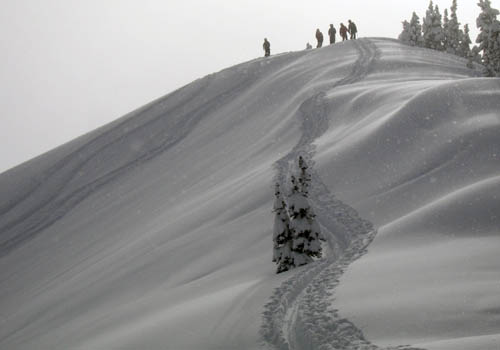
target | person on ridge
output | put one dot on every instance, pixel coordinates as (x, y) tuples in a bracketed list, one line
[(353, 30), (319, 37), (308, 46), (343, 31), (332, 32), (267, 48)]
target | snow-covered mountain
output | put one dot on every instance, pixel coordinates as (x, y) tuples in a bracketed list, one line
[(155, 231)]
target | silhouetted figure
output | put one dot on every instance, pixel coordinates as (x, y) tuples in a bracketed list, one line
[(308, 46), (267, 48), (353, 29), (319, 37), (332, 32), (343, 31)]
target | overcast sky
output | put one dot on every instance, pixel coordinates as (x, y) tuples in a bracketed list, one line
[(69, 66)]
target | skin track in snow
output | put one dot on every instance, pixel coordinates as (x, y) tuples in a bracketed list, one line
[(299, 315)]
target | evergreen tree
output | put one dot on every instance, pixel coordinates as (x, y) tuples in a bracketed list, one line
[(305, 180), (305, 229), (415, 31), (432, 28), (296, 234), (438, 29), (454, 33), (282, 236), (464, 47), (427, 26), (446, 31), (405, 35), (489, 37)]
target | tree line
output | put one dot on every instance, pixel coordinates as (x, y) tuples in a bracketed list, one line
[(443, 33)]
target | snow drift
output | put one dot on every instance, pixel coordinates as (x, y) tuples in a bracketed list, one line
[(155, 231)]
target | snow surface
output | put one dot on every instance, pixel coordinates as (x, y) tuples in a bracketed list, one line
[(155, 231)]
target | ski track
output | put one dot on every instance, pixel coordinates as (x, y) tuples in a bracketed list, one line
[(299, 313)]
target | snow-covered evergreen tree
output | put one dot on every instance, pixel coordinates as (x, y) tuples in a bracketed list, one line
[(438, 29), (299, 225), (305, 229), (282, 236), (426, 21), (415, 30), (433, 28), (489, 37), (453, 32), (427, 26), (465, 41), (296, 234), (446, 31), (405, 35)]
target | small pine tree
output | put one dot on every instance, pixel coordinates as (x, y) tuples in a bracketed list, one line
[(282, 236), (405, 35), (489, 37), (299, 212), (415, 30), (296, 234), (305, 229)]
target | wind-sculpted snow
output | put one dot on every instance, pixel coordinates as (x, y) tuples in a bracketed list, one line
[(155, 231), (434, 140)]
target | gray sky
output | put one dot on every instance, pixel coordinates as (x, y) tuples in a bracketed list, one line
[(69, 66)]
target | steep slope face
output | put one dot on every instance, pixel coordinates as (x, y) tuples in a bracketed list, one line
[(154, 232)]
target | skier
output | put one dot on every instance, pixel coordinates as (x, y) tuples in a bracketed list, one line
[(352, 29), (332, 32), (267, 48), (308, 46), (343, 31), (319, 37)]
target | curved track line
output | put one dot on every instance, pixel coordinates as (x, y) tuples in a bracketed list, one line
[(299, 313)]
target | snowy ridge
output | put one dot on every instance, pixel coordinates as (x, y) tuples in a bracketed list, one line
[(299, 314), (154, 232)]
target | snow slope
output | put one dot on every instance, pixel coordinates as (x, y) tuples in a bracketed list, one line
[(154, 232)]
